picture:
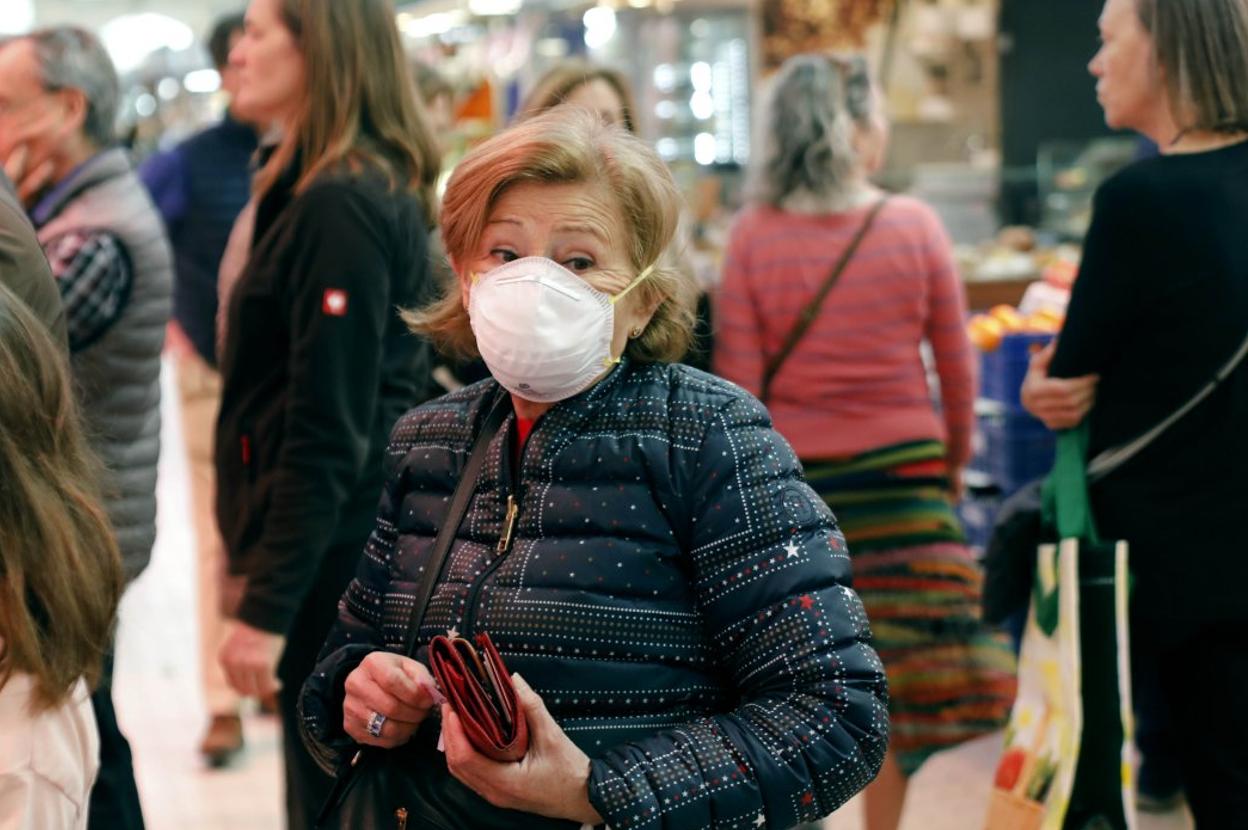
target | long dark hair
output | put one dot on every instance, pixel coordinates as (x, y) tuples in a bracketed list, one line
[(60, 570)]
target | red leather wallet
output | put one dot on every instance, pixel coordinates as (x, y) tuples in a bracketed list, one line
[(479, 687)]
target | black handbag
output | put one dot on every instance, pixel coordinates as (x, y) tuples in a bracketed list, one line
[(1020, 527), (409, 787)]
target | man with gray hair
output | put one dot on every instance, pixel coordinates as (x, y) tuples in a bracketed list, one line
[(108, 251)]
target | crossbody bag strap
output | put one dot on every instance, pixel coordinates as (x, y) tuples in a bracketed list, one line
[(454, 517), (808, 314), (1113, 458)]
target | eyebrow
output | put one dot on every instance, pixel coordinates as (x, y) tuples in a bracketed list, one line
[(593, 231)]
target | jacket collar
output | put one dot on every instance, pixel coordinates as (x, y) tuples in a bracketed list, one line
[(104, 165)]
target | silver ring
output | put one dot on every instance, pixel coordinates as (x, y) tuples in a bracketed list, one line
[(375, 723)]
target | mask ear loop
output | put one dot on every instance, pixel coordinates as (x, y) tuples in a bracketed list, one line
[(634, 283), (609, 361)]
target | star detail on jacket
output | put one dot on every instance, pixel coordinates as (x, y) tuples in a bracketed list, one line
[(791, 548), (808, 602), (334, 303), (452, 632), (761, 820)]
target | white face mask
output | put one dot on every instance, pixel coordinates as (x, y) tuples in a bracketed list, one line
[(544, 332)]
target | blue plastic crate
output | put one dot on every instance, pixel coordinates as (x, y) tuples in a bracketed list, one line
[(1002, 370), (1017, 448)]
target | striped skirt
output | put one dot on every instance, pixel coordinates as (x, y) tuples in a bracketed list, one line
[(950, 677)]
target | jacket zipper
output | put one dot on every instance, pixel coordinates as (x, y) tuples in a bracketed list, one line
[(505, 538)]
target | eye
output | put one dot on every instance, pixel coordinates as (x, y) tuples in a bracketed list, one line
[(579, 263), (503, 254)]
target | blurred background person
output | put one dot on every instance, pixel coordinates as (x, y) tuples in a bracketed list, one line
[(60, 581), (317, 366), (107, 248), (1160, 305), (597, 88), (853, 396), (23, 267), (200, 187), (438, 97)]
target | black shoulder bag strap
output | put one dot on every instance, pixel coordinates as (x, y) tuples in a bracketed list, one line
[(811, 311), (454, 517)]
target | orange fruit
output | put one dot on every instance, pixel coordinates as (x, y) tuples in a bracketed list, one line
[(985, 332), (1009, 317)]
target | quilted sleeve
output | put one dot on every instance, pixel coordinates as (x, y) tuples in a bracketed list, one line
[(356, 634), (772, 577)]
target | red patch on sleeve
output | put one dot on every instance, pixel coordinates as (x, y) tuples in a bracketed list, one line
[(334, 303)]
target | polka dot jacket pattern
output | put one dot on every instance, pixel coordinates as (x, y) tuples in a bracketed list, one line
[(675, 592)]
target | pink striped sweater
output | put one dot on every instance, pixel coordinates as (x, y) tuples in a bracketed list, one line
[(856, 380)]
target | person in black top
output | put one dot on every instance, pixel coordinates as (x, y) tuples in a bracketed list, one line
[(317, 365), (1160, 305)]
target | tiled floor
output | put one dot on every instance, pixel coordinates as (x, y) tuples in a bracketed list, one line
[(161, 709)]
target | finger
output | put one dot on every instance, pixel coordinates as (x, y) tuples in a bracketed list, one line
[(15, 164), (356, 718), (394, 678), (421, 675), (35, 181), (1040, 360), (379, 700)]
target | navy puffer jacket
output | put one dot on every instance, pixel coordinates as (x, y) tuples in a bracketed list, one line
[(674, 590)]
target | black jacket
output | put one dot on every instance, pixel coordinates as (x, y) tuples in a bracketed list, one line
[(317, 366), (673, 589)]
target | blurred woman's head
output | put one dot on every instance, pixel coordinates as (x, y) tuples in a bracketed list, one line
[(579, 84), (822, 133), (60, 570), (1171, 66), (334, 77), (568, 187)]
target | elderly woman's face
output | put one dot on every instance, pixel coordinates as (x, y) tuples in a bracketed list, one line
[(577, 225), (1128, 85)]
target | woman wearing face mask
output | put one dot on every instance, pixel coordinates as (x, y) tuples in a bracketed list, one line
[(1160, 305), (852, 396), (639, 544), (317, 365)]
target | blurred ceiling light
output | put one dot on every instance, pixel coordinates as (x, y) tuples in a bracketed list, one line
[(488, 8), (639, 4), (702, 105), (202, 81), (18, 17), (704, 148), (551, 47), (599, 26), (130, 38), (145, 105), (700, 76), (430, 25)]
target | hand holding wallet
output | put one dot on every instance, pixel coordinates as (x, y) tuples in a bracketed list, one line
[(479, 688)]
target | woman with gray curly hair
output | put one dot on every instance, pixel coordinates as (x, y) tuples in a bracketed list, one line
[(829, 288)]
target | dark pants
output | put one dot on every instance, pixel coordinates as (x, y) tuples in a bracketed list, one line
[(1204, 683), (306, 785), (115, 797)]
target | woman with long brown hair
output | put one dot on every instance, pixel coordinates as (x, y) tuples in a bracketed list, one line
[(60, 581), (316, 364)]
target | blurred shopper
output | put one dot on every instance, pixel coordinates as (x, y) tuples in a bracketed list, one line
[(438, 98), (60, 580), (200, 187), (581, 84), (317, 366), (109, 254), (23, 267), (1160, 305), (852, 396)]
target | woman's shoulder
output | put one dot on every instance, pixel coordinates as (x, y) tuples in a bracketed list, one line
[(447, 421), (684, 389)]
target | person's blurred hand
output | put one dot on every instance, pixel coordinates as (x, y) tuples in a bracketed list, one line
[(29, 174), (1060, 403), (388, 684), (177, 344), (249, 657)]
